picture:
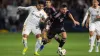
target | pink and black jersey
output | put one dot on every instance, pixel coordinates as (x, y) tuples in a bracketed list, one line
[(59, 19)]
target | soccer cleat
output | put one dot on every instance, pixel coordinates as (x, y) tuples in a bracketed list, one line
[(59, 52), (36, 54), (42, 47), (24, 51), (90, 50), (97, 49)]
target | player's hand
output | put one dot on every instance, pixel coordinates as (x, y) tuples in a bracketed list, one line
[(76, 23), (82, 25)]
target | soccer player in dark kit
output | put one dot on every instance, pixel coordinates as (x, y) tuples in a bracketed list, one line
[(57, 27), (50, 10)]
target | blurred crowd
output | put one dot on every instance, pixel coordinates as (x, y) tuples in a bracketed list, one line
[(11, 21)]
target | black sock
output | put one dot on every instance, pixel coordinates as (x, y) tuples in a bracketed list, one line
[(62, 42), (57, 39), (44, 41)]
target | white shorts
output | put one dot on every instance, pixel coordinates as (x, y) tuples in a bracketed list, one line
[(27, 29), (97, 27), (91, 27)]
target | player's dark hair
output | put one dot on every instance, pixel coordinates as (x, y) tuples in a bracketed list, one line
[(41, 2), (63, 6), (48, 0)]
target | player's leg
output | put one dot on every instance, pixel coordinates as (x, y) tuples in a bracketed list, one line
[(25, 34), (47, 31), (44, 34), (37, 33), (98, 35), (24, 41), (63, 40), (50, 35), (94, 38), (57, 38), (38, 43), (91, 39), (97, 43)]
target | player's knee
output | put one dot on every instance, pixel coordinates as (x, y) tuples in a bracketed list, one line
[(25, 36), (64, 39), (64, 35), (38, 35), (91, 33)]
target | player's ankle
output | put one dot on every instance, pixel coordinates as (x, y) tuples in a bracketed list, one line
[(59, 48)]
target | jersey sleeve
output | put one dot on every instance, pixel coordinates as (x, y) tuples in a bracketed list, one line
[(53, 10), (85, 17), (24, 8)]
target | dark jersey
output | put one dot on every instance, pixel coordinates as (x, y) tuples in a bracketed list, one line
[(59, 19), (50, 12), (58, 24)]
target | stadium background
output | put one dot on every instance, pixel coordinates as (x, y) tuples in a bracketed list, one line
[(11, 27), (10, 21)]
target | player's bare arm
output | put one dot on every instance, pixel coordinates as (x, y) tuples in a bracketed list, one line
[(85, 18), (74, 21), (87, 21)]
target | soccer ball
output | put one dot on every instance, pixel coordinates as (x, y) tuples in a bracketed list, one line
[(62, 52)]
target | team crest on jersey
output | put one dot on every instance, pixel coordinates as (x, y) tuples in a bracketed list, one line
[(38, 16)]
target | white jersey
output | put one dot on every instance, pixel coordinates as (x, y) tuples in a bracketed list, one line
[(32, 21), (93, 13), (34, 15), (94, 23)]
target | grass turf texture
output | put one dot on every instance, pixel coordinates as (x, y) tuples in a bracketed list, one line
[(76, 45)]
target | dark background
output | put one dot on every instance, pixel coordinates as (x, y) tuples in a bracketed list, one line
[(12, 22)]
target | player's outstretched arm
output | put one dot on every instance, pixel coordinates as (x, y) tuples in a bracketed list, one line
[(85, 18), (23, 8), (87, 21), (74, 21)]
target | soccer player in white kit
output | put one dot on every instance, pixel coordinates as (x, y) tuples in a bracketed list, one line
[(92, 15), (31, 24)]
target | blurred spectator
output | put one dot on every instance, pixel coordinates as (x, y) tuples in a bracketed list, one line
[(3, 14), (9, 19), (12, 15)]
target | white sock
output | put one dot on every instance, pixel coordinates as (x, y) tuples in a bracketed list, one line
[(91, 42), (59, 48), (38, 44), (97, 43), (94, 38), (24, 40)]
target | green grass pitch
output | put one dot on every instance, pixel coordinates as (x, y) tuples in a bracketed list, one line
[(76, 45)]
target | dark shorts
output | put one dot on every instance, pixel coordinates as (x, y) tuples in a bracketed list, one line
[(43, 25), (53, 31)]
